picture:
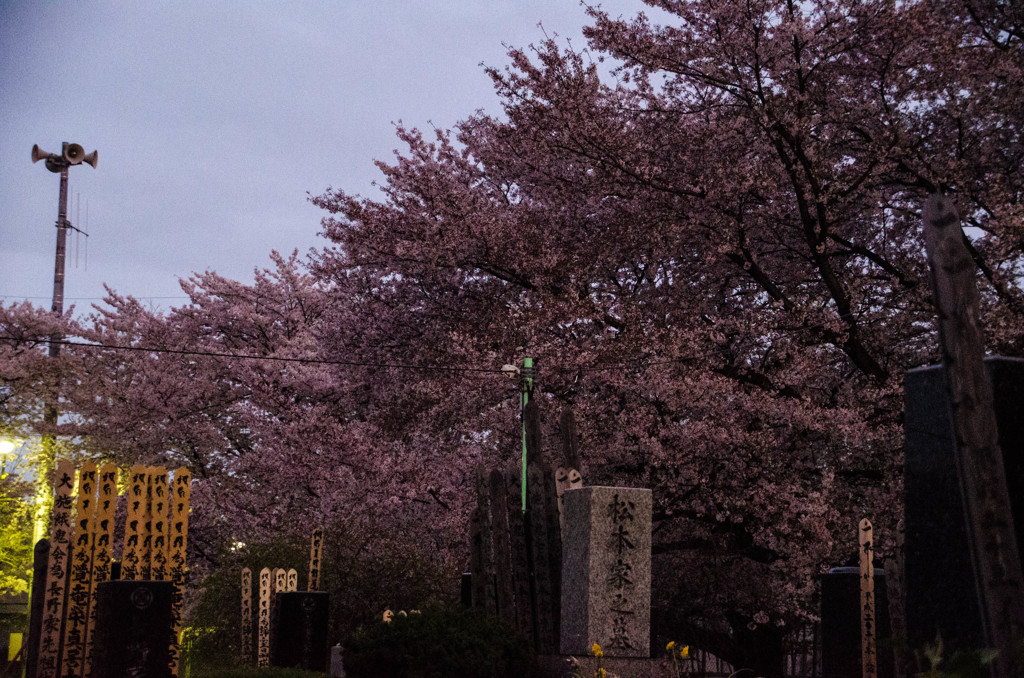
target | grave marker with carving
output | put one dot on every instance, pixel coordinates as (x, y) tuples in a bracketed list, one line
[(868, 628), (991, 532), (316, 548), (246, 614), (263, 624), (54, 604), (80, 583), (606, 576), (177, 534), (102, 539), (82, 560)]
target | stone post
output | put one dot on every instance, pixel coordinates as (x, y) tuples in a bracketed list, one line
[(606, 571)]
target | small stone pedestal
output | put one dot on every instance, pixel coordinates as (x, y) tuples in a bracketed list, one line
[(606, 571)]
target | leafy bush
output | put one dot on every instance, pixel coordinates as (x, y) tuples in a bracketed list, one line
[(252, 672), (439, 642)]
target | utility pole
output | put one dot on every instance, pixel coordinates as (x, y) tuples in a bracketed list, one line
[(71, 154), (527, 382)]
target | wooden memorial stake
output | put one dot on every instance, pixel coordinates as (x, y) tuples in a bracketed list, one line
[(991, 533), (264, 618), (177, 533), (293, 580), (80, 585), (315, 552), (102, 554), (158, 548), (868, 628), (280, 580), (565, 479), (246, 614), (146, 536), (131, 554), (56, 575)]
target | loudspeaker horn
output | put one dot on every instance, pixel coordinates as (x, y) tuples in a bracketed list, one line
[(91, 159), (39, 154), (73, 153)]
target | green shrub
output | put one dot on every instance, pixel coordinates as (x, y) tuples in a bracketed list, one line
[(439, 642), (252, 672)]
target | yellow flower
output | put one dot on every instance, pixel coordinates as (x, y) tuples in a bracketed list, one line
[(670, 645), (596, 650), (600, 673), (685, 652)]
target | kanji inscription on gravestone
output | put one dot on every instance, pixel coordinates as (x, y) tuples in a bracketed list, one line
[(606, 571)]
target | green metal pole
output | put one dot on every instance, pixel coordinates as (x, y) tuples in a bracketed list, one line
[(527, 390)]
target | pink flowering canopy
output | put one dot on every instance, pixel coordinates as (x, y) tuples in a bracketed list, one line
[(706, 230)]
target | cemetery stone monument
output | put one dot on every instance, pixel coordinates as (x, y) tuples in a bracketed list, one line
[(299, 637), (606, 571), (132, 620), (938, 556), (978, 456), (842, 619)]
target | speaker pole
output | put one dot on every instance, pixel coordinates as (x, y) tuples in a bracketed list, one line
[(57, 164)]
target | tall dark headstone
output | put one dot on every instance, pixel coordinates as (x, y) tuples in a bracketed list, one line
[(939, 576), (40, 562), (520, 565), (133, 622), (547, 555), (841, 650), (543, 541), (503, 583), (481, 551), (466, 589), (570, 440), (299, 630)]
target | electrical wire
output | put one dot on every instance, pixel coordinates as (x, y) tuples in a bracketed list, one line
[(242, 356)]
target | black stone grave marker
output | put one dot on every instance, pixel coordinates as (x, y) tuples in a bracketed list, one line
[(40, 563), (133, 628), (840, 624), (298, 635), (941, 595)]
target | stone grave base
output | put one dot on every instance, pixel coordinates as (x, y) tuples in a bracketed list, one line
[(558, 666)]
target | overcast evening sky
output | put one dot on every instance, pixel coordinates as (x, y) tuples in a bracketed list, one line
[(213, 121)]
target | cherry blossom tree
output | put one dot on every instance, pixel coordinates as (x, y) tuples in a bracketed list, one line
[(704, 227), (716, 258)]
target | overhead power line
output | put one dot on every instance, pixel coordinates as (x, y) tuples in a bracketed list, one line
[(137, 296), (243, 356)]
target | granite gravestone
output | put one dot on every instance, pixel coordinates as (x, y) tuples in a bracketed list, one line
[(133, 624), (841, 619), (992, 538), (606, 571), (299, 630), (940, 592), (40, 564)]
